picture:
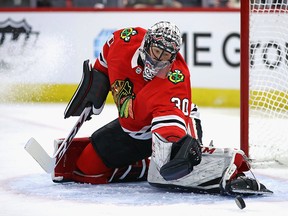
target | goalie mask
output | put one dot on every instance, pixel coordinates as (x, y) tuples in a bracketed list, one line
[(161, 44)]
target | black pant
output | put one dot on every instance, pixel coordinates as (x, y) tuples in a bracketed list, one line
[(116, 148)]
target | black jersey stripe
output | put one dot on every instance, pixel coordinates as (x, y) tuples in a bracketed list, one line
[(167, 121)]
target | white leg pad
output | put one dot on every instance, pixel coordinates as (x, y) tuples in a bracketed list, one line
[(214, 162)]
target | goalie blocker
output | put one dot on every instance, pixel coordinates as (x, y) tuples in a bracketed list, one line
[(92, 90)]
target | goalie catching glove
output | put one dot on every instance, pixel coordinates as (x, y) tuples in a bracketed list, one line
[(91, 91)]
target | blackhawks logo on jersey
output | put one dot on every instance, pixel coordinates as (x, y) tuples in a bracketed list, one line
[(176, 76), (127, 33), (123, 95)]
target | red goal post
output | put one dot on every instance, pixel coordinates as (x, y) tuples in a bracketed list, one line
[(264, 80)]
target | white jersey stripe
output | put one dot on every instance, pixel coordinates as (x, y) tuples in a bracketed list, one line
[(143, 134), (102, 60), (157, 122), (157, 126)]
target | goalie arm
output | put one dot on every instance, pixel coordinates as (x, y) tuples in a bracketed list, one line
[(91, 91)]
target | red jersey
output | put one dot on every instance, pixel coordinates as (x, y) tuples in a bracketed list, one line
[(145, 107)]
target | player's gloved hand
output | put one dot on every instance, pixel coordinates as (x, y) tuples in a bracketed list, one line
[(188, 156)]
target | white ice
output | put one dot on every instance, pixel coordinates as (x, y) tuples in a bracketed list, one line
[(25, 189)]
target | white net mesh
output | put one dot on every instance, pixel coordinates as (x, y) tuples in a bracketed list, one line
[(268, 81)]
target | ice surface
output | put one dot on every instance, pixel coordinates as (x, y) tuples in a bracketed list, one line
[(25, 189)]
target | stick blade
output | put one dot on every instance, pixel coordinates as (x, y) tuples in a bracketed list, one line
[(40, 155)]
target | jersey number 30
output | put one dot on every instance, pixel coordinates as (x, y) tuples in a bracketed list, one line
[(181, 104)]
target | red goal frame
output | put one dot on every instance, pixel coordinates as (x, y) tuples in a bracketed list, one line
[(244, 76)]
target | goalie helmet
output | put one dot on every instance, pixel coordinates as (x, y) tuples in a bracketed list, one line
[(165, 36)]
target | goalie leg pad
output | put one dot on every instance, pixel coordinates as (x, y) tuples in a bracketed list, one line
[(92, 90), (137, 171), (82, 164), (205, 177), (132, 173), (90, 163), (238, 165), (65, 167), (235, 182)]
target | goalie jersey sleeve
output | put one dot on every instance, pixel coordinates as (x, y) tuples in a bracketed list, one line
[(160, 105)]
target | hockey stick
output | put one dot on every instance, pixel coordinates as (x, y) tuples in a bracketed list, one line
[(40, 155)]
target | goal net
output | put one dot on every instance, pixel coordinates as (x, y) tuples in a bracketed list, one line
[(264, 80)]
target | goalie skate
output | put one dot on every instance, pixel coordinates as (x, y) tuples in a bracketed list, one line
[(244, 185)]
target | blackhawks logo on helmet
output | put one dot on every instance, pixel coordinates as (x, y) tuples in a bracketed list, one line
[(127, 33), (176, 76), (122, 91)]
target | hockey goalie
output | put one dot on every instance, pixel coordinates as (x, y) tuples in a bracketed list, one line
[(157, 136)]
